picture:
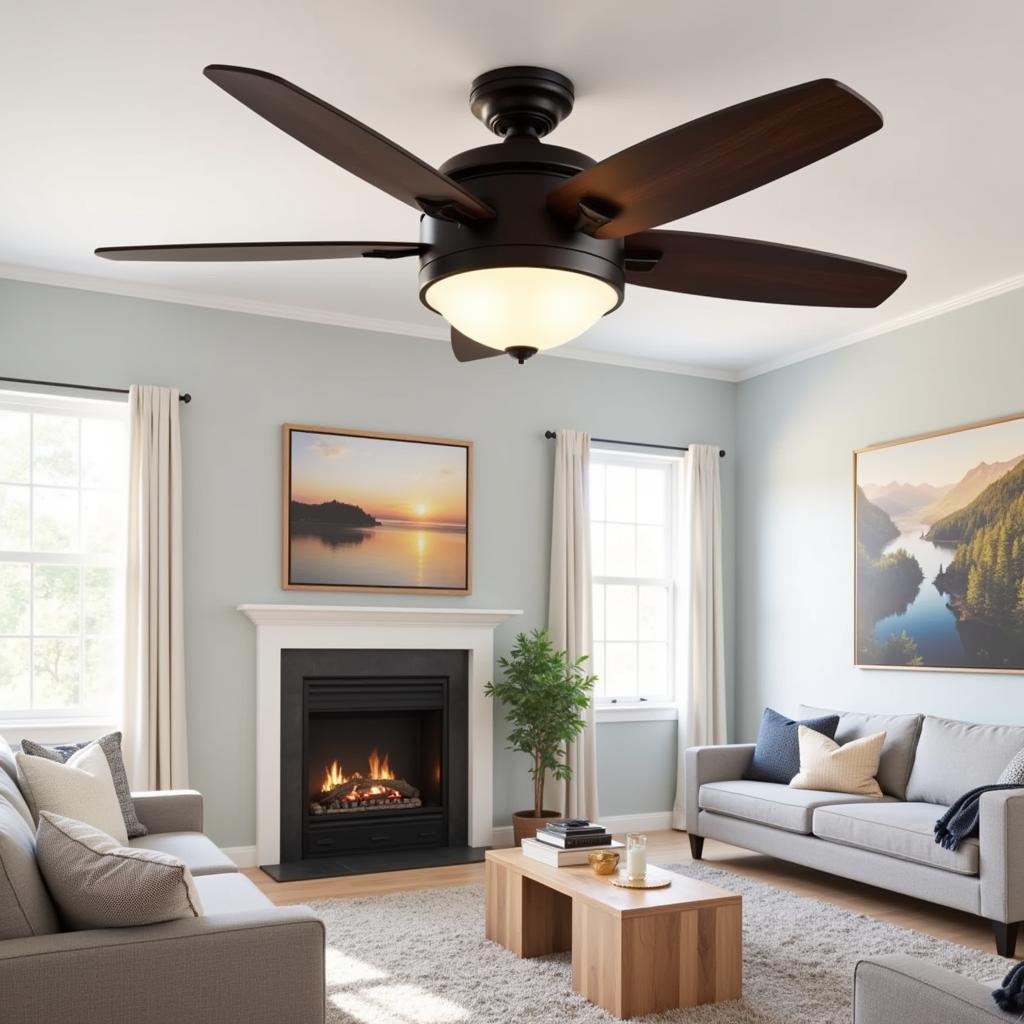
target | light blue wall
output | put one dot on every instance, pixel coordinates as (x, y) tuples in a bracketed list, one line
[(797, 429), (249, 375)]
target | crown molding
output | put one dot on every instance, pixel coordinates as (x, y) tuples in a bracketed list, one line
[(988, 291), (307, 314)]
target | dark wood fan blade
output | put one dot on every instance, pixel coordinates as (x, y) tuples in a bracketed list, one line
[(714, 158), (257, 252), (467, 350), (741, 268), (348, 143)]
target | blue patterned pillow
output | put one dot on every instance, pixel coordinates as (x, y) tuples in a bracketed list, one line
[(777, 753)]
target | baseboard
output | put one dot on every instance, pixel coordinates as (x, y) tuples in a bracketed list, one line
[(243, 856), (501, 836), (653, 821)]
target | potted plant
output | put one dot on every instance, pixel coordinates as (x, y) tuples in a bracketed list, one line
[(545, 695)]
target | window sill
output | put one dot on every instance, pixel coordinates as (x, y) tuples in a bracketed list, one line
[(59, 730), (612, 713)]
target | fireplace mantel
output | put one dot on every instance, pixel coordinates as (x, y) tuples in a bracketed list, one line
[(282, 627)]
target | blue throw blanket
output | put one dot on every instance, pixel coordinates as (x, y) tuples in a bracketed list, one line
[(960, 822)]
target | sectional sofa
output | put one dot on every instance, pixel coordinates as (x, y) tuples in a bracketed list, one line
[(244, 961), (926, 763)]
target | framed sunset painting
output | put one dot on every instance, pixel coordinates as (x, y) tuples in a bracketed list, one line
[(939, 573), (376, 512)]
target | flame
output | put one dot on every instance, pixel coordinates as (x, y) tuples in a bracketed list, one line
[(334, 775)]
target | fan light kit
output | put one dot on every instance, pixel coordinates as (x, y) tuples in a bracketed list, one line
[(524, 245)]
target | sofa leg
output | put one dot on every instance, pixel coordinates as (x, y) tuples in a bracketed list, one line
[(696, 846), (1006, 937)]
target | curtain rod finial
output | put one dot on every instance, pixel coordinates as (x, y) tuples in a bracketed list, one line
[(550, 435), (186, 398)]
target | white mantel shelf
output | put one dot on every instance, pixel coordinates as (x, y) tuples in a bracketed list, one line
[(334, 615), (281, 627)]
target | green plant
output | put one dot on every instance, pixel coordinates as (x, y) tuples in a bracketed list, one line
[(545, 695)]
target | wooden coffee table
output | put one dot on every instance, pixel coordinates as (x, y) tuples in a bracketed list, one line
[(633, 951)]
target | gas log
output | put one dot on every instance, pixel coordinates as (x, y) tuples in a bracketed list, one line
[(366, 794)]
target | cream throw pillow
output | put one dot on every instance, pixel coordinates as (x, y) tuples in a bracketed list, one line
[(850, 768), (97, 882), (81, 788)]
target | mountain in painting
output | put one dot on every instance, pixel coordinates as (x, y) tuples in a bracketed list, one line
[(874, 527), (901, 499), (961, 494)]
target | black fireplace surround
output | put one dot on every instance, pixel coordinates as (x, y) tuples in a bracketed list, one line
[(343, 711)]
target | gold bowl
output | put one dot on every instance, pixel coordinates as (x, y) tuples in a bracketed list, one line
[(604, 862)]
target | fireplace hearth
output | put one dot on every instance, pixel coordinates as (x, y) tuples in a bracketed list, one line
[(374, 760)]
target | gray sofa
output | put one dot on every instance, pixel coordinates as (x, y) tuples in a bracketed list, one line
[(926, 764), (900, 988), (244, 961)]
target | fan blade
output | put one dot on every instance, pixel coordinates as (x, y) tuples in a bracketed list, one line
[(714, 158), (257, 252), (349, 144), (741, 268), (467, 350)]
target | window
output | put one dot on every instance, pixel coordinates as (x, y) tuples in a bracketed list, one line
[(63, 477), (632, 523)]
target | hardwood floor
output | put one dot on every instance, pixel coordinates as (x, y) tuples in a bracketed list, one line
[(672, 848)]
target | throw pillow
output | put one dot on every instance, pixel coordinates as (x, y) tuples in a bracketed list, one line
[(82, 787), (98, 882), (111, 745), (777, 752), (850, 768), (1013, 773)]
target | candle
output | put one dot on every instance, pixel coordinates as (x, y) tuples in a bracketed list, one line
[(636, 856)]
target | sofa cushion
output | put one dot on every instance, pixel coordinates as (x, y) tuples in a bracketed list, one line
[(953, 757), (901, 736), (850, 768), (7, 763), (230, 894), (81, 789), (192, 848), (770, 803), (25, 905), (777, 751), (10, 792), (903, 830), (111, 747), (99, 883)]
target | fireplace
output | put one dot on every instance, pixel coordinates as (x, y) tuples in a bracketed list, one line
[(374, 754)]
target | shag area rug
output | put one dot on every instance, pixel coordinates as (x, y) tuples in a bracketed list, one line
[(421, 958)]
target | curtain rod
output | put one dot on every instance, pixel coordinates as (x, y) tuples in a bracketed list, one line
[(550, 435), (186, 397)]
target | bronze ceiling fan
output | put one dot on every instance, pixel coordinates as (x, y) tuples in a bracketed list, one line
[(524, 245)]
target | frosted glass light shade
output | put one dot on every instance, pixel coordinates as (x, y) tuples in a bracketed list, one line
[(538, 307)]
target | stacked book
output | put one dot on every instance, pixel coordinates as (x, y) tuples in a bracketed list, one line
[(568, 841)]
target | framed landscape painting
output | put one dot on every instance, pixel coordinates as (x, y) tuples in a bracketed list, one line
[(385, 513), (939, 570)]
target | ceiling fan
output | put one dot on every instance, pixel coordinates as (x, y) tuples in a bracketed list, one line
[(524, 245)]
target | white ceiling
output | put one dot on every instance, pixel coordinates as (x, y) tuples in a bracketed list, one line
[(110, 135)]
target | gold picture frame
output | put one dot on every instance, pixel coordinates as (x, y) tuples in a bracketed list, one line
[(928, 595), (418, 525)]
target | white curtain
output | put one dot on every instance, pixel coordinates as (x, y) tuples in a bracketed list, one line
[(702, 700), (155, 744), (569, 602)]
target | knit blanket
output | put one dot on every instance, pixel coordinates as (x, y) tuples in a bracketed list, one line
[(960, 822)]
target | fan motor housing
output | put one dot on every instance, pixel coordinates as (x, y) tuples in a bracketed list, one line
[(515, 179)]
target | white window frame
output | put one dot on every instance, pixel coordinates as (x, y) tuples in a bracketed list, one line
[(54, 722), (639, 709)]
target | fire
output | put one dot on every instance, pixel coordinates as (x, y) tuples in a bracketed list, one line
[(379, 768)]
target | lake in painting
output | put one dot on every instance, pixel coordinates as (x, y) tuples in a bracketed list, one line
[(371, 511), (940, 550)]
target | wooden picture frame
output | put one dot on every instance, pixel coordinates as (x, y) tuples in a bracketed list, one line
[(935, 618), (329, 547)]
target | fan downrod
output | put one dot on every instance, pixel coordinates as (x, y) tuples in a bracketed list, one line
[(521, 101)]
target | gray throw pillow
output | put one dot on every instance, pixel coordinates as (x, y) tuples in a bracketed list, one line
[(97, 883), (1013, 773), (777, 752), (111, 747)]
